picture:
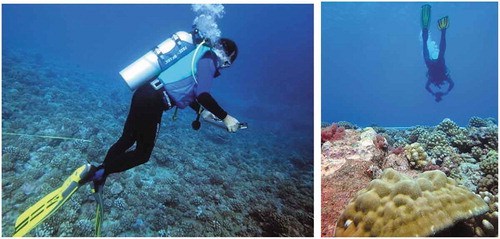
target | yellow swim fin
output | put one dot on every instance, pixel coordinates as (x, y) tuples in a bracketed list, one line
[(99, 210), (50, 203), (443, 23)]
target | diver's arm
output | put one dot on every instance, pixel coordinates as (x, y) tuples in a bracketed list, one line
[(428, 87), (209, 103)]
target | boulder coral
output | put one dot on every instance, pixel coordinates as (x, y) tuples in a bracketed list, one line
[(396, 205)]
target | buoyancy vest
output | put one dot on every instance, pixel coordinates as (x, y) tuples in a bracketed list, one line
[(172, 65), (179, 80)]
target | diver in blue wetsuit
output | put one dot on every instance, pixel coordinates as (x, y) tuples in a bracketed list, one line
[(437, 73)]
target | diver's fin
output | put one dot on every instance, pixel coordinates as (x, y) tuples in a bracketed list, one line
[(48, 205), (426, 16), (443, 23), (99, 213)]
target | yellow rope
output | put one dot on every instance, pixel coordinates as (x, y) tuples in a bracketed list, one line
[(47, 136)]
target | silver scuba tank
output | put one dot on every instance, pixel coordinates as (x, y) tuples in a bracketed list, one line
[(147, 67)]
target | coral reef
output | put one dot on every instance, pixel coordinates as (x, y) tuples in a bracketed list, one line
[(462, 142), (487, 137), (332, 133), (347, 125), (380, 142), (396, 205), (449, 127), (196, 183), (338, 188), (433, 139), (488, 183), (487, 224), (440, 154), (468, 156), (477, 122), (416, 155), (417, 134), (489, 163), (398, 162)]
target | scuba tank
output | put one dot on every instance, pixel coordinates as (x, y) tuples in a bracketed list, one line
[(164, 57)]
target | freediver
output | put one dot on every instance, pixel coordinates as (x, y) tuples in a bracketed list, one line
[(437, 73)]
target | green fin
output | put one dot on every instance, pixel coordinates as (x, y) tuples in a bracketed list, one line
[(99, 214), (48, 205), (426, 16), (443, 23)]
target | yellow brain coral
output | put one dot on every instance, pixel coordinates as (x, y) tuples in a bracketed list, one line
[(396, 205)]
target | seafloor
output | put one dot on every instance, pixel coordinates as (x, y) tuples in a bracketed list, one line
[(353, 157), (257, 182)]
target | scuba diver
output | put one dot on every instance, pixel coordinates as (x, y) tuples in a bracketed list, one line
[(180, 75), (437, 73)]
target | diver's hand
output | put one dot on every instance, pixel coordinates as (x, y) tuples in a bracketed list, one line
[(232, 124), (208, 115)]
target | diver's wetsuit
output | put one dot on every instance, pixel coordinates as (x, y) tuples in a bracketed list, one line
[(143, 121), (437, 72)]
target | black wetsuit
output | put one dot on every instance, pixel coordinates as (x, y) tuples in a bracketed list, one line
[(437, 71), (144, 118)]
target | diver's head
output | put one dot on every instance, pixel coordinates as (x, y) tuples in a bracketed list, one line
[(230, 51)]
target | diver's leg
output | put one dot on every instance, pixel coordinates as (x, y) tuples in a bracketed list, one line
[(442, 45), (126, 141), (425, 37), (129, 134), (146, 137), (144, 121)]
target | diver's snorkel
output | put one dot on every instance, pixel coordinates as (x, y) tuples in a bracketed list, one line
[(219, 123)]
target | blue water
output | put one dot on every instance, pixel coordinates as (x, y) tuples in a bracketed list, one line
[(373, 70), (60, 78), (272, 75)]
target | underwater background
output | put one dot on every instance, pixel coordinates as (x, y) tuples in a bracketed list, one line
[(373, 71), (384, 138), (60, 78)]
